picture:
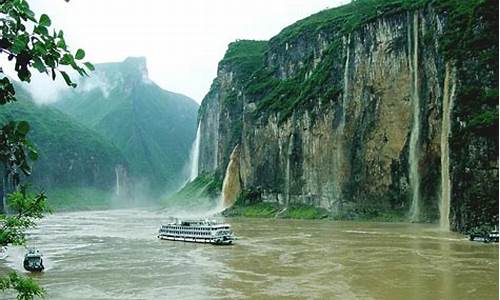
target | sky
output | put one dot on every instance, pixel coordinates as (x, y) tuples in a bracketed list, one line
[(182, 40)]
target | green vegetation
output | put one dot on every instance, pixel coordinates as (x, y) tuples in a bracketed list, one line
[(203, 192), (79, 198), (465, 37), (275, 210), (70, 155), (283, 96), (26, 287), (153, 128), (250, 205), (244, 57), (26, 42), (26, 209), (255, 210), (371, 215), (305, 212)]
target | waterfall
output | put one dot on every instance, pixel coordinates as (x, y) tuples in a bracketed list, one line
[(339, 132), (194, 156), (231, 186), (121, 188), (288, 168), (346, 83), (415, 130), (444, 207), (117, 184)]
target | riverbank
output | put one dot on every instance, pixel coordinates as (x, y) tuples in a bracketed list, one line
[(297, 211), (79, 199)]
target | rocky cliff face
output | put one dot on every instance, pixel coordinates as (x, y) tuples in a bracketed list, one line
[(357, 119)]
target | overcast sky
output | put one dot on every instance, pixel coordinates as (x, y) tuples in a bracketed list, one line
[(183, 40)]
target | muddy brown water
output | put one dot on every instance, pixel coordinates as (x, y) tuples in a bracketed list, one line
[(116, 255)]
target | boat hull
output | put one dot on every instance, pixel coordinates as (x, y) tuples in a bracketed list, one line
[(196, 240)]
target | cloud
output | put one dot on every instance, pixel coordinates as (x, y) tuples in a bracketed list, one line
[(183, 40)]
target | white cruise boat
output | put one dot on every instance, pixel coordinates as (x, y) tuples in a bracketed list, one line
[(197, 231)]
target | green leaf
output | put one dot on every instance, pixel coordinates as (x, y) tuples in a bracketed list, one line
[(41, 30), (80, 54), (23, 127), (20, 43), (39, 65), (67, 59), (67, 79), (44, 20), (61, 43), (89, 66), (33, 155)]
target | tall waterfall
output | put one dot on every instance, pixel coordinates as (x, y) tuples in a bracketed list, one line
[(339, 132), (117, 184), (120, 181), (444, 207), (231, 186), (415, 130), (194, 156)]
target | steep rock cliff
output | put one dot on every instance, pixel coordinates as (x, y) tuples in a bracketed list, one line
[(353, 109)]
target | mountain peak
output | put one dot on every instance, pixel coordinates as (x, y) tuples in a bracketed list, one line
[(138, 61), (129, 72)]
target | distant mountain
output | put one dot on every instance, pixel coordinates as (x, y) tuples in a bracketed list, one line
[(72, 157), (152, 127)]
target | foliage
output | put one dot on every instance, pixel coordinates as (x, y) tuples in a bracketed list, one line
[(27, 208), (346, 18), (305, 212), (36, 48), (371, 214), (244, 57), (464, 37), (260, 210), (203, 190), (90, 156), (27, 42), (79, 198), (15, 149), (26, 288), (151, 127)]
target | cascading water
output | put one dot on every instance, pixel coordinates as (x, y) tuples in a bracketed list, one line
[(345, 97), (339, 132), (117, 184), (444, 207), (415, 130), (121, 188), (195, 156), (231, 186)]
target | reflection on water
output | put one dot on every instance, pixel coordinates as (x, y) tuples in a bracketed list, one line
[(116, 255)]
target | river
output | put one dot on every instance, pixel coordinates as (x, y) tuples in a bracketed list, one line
[(116, 255)]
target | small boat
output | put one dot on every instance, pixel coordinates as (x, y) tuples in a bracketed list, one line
[(33, 261), (484, 234), (197, 231)]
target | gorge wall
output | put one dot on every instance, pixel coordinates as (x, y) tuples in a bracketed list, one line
[(372, 107)]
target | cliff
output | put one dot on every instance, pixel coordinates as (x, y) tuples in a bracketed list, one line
[(372, 107)]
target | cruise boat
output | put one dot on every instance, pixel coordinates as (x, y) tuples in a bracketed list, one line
[(197, 231)]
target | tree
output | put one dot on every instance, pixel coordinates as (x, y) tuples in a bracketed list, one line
[(29, 44)]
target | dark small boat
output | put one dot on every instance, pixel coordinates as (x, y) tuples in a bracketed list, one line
[(484, 234), (33, 261)]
